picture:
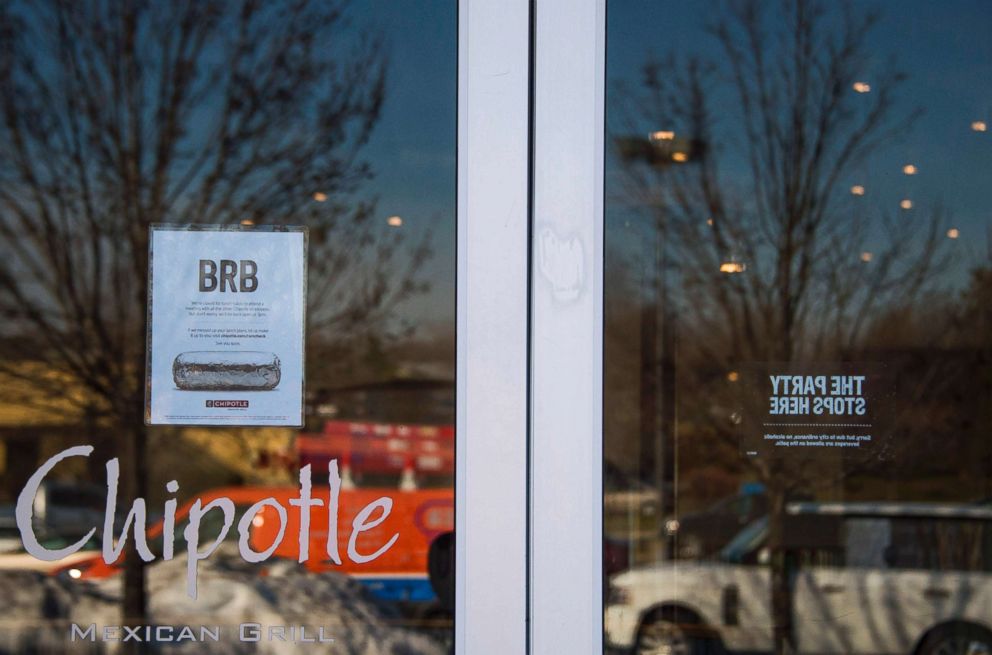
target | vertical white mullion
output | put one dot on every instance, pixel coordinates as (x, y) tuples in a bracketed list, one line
[(567, 319), (492, 306)]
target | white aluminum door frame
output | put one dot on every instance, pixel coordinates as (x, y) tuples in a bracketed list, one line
[(492, 321), (566, 564), (529, 317)]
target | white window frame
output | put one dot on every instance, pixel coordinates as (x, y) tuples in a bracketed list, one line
[(529, 318), (566, 564), (492, 323)]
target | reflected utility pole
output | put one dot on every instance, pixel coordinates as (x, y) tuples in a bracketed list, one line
[(659, 329), (657, 375)]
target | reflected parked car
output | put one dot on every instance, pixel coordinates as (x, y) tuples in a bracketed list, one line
[(400, 574), (631, 520), (68, 508), (702, 534), (10, 536), (874, 578), (20, 560)]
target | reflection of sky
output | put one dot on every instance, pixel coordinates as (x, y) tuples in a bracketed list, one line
[(412, 149), (945, 50), (944, 47)]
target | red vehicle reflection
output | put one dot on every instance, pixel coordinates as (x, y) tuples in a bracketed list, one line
[(412, 451), (400, 573)]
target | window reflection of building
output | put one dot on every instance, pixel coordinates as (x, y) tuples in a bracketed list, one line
[(420, 400)]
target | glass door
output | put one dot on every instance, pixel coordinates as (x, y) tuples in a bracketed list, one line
[(796, 328), (286, 175), (264, 288)]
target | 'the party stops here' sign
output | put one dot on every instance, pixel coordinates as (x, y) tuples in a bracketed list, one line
[(226, 319), (805, 409)]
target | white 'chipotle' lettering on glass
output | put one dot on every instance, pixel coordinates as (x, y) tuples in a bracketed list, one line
[(114, 544)]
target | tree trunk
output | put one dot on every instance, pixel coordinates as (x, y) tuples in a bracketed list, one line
[(134, 468), (134, 605), (782, 566)]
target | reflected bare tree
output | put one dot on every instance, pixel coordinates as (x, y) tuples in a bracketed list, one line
[(746, 176), (117, 115)]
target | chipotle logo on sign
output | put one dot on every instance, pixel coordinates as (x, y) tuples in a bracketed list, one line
[(226, 317), (227, 404)]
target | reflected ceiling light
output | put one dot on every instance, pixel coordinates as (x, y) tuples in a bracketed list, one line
[(906, 203), (909, 169), (953, 233), (857, 190), (394, 221), (732, 267), (320, 196), (247, 221), (979, 126), (733, 376), (680, 157), (861, 87), (709, 221), (75, 574), (866, 256), (662, 135)]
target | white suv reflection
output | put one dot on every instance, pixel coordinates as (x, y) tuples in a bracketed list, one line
[(877, 578)]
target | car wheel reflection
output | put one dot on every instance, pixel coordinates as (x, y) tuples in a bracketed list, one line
[(963, 639), (659, 636)]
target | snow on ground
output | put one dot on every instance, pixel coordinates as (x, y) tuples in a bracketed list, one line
[(38, 610)]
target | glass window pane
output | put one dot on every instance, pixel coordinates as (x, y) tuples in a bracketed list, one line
[(797, 335), (249, 118)]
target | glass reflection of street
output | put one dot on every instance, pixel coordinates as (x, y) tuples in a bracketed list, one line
[(796, 354), (335, 116)]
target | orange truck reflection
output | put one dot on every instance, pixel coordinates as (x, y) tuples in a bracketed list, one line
[(398, 574), (365, 447)]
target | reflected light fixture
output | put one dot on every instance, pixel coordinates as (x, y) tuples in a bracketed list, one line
[(861, 87), (953, 233), (680, 157), (320, 196), (909, 169), (733, 376), (857, 190), (979, 126), (709, 221), (906, 203), (866, 256), (732, 267), (662, 135), (247, 222), (394, 221)]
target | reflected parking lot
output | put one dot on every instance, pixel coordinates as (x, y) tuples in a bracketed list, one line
[(796, 352)]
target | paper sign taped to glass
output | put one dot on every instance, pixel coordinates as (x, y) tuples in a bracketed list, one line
[(226, 317), (814, 409)]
